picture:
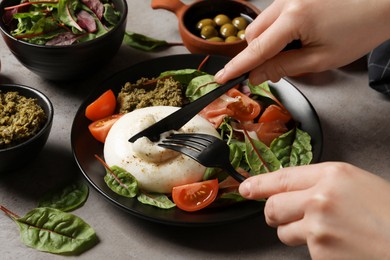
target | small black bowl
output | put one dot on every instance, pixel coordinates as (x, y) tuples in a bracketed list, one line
[(66, 62), (17, 156)]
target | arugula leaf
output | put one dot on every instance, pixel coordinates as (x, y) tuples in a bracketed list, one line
[(293, 148), (156, 199), (67, 198), (121, 182)]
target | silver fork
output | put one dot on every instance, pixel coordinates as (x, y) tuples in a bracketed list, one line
[(208, 150)]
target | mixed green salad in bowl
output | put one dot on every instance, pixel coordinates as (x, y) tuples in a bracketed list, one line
[(63, 39)]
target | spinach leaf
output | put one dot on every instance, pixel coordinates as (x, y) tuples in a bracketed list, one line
[(67, 198), (143, 42), (259, 157), (200, 86), (110, 14), (52, 230), (121, 182), (293, 148), (156, 199)]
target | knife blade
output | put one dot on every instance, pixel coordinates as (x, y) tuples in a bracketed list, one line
[(180, 117)]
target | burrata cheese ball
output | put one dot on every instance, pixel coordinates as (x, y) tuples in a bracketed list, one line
[(156, 169)]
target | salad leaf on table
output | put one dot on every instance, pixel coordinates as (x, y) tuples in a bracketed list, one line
[(67, 198), (52, 230)]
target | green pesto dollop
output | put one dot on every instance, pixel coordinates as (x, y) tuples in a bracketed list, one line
[(20, 118), (154, 92)]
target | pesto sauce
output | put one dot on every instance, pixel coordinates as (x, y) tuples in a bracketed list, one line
[(165, 92), (20, 118)]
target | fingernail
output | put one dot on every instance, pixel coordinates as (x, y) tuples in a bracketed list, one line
[(245, 188), (219, 74)]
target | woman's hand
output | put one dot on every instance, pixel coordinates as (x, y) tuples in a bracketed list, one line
[(333, 33), (338, 210)]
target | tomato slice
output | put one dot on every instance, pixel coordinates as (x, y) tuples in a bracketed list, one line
[(274, 113), (100, 128), (195, 196), (245, 109), (102, 107)]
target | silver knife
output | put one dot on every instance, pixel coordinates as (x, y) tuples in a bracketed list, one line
[(179, 118)]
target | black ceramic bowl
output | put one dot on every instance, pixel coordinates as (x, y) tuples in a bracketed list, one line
[(17, 156), (66, 62)]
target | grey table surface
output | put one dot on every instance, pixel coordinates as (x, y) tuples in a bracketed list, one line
[(355, 124)]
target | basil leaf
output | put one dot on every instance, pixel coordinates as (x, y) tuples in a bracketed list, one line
[(259, 157), (293, 148), (121, 182), (143, 42), (67, 198), (55, 231), (156, 199), (200, 86)]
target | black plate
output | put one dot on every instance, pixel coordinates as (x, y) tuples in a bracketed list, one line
[(85, 147)]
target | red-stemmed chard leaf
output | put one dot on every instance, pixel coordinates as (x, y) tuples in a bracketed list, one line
[(259, 157), (86, 21)]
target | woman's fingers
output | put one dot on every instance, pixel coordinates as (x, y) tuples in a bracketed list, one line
[(284, 180), (259, 50), (284, 208)]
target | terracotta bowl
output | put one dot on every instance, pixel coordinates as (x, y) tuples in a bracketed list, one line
[(189, 15)]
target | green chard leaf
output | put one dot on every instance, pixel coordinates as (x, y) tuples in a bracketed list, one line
[(200, 86), (67, 198), (110, 14), (52, 230), (66, 9), (259, 157), (156, 199), (293, 148), (143, 42), (121, 182), (184, 76)]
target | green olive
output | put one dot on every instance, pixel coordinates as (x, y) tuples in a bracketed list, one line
[(232, 39), (208, 32), (221, 19), (202, 23), (228, 30), (215, 39), (241, 34), (240, 23)]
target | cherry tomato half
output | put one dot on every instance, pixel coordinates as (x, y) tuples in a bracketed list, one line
[(274, 113), (100, 128), (195, 196), (102, 107), (245, 108)]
